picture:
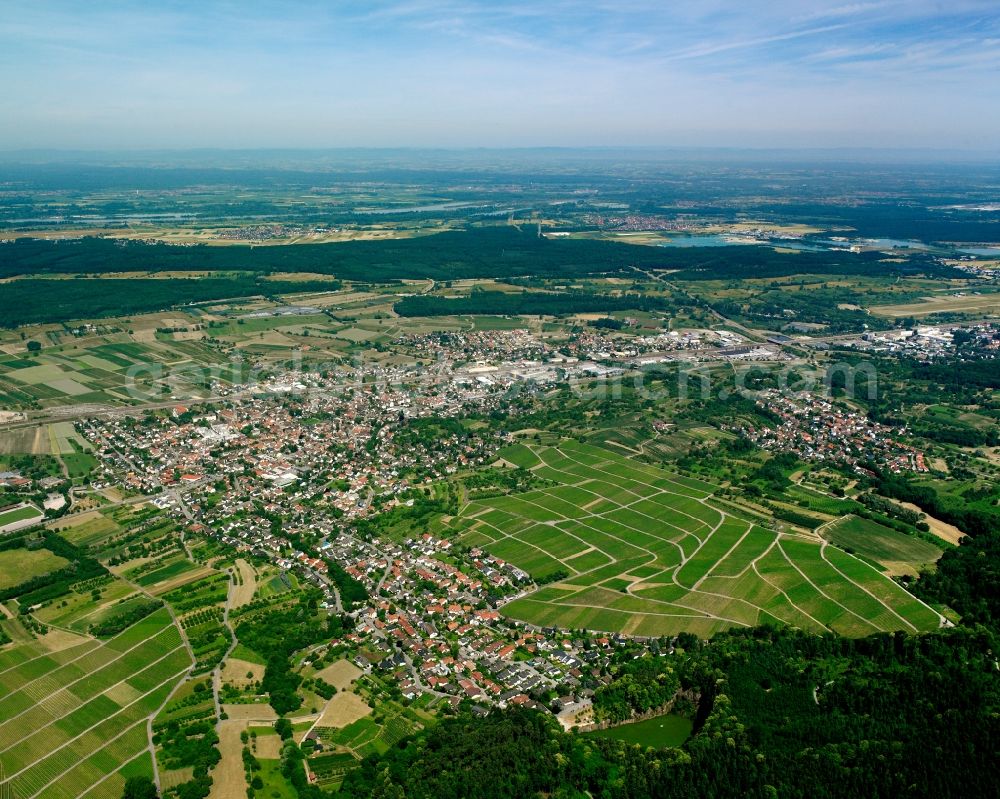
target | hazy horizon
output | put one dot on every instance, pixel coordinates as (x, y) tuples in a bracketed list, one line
[(464, 74), (545, 160)]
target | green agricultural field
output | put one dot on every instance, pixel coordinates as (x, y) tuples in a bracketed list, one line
[(98, 371), (639, 550), (113, 786), (329, 769), (20, 565), (86, 528), (79, 609), (167, 572), (874, 541), (70, 719)]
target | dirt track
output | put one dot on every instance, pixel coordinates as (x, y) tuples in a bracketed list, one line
[(261, 712), (243, 592), (228, 780)]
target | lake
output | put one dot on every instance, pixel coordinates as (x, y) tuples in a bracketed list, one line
[(892, 244), (658, 732), (727, 240), (991, 252), (708, 240)]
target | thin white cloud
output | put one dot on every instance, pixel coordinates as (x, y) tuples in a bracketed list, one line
[(850, 52), (710, 48), (848, 10)]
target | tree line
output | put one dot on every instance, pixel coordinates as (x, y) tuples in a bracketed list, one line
[(534, 303)]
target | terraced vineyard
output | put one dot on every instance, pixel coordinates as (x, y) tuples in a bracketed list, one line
[(644, 553), (70, 719), (329, 769)]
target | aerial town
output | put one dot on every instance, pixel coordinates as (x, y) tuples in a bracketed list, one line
[(325, 457), (818, 429)]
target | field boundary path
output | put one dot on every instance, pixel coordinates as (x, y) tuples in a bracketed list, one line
[(640, 550), (228, 777)]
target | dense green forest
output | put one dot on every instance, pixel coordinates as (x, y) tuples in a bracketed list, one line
[(639, 686), (34, 301), (480, 252), (901, 220), (498, 252), (476, 252), (532, 303), (352, 592), (726, 263)]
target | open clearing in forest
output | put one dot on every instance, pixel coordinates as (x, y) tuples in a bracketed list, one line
[(70, 718), (636, 549), (943, 530)]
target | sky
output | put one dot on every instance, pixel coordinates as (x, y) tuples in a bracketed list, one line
[(462, 73)]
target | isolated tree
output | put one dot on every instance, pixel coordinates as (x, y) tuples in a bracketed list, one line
[(33, 346), (284, 728)]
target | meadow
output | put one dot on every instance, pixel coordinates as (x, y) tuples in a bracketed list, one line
[(897, 552), (659, 731), (19, 565), (628, 547), (973, 302)]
